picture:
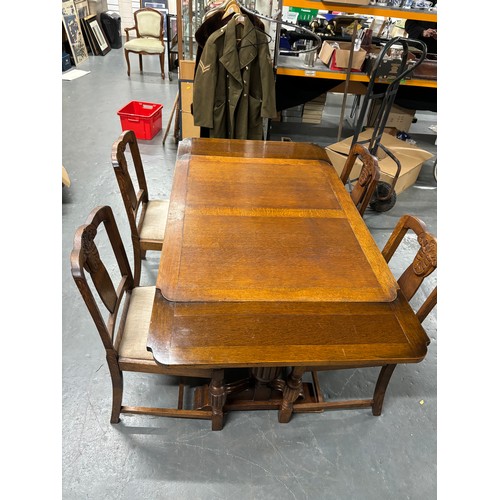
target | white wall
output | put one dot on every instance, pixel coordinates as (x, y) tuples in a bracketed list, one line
[(126, 9)]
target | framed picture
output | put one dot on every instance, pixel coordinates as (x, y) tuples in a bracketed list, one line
[(88, 35), (165, 22), (161, 6), (99, 42), (82, 7), (73, 30), (173, 27), (156, 5)]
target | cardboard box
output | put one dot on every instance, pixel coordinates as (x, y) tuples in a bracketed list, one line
[(399, 118), (326, 52), (312, 120), (186, 96), (340, 58), (410, 156), (186, 69), (312, 113), (356, 88), (188, 128)]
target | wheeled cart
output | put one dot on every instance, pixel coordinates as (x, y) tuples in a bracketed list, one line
[(384, 197)]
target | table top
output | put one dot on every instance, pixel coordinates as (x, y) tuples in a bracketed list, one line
[(248, 334), (266, 262), (266, 221)]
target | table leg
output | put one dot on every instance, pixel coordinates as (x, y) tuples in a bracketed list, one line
[(267, 379), (291, 393), (218, 393), (266, 374)]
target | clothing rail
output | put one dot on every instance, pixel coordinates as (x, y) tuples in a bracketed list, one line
[(280, 22), (277, 20)]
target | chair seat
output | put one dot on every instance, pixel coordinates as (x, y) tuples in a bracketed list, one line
[(150, 45), (155, 220), (135, 333)]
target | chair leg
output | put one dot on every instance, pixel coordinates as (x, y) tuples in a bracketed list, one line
[(382, 383), (162, 65), (140, 62), (128, 62), (117, 382)]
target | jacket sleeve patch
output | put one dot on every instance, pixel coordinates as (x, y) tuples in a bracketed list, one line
[(204, 67)]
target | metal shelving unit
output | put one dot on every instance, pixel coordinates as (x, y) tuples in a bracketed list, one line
[(287, 65), (293, 66)]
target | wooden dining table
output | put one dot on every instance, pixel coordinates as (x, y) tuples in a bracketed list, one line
[(268, 267)]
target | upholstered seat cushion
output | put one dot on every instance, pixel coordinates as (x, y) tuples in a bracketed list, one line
[(149, 45), (155, 220), (135, 333)]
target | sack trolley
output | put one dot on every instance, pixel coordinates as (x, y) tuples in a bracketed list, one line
[(384, 197)]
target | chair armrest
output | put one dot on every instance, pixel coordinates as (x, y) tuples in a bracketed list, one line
[(133, 28)]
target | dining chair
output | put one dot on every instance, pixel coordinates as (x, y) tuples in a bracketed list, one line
[(147, 218), (149, 28), (121, 312), (422, 265), (362, 191)]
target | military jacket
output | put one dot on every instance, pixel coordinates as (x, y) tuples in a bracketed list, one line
[(234, 84), (213, 23)]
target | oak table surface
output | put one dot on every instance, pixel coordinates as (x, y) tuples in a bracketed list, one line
[(266, 263)]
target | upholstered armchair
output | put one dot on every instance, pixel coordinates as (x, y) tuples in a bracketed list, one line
[(149, 37)]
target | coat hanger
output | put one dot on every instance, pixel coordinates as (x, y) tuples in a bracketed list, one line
[(225, 6), (231, 7), (213, 10), (279, 22), (268, 36), (230, 4), (237, 15)]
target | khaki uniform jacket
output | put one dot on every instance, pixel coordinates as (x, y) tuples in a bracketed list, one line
[(234, 89), (213, 23)]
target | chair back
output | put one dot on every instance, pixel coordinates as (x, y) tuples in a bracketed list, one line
[(86, 262), (149, 23), (135, 197), (423, 264), (369, 176)]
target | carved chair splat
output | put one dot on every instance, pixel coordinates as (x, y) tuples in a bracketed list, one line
[(369, 176)]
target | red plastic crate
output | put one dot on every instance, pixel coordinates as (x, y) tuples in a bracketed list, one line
[(144, 118)]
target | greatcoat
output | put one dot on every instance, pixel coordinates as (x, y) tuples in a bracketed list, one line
[(234, 84), (214, 22)]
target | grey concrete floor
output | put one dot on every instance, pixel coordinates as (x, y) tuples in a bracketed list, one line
[(334, 455)]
